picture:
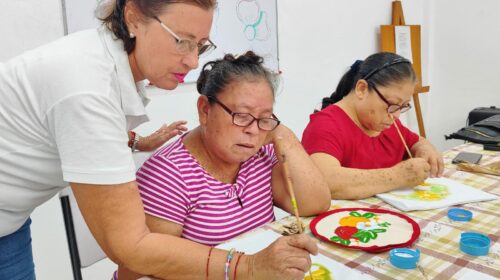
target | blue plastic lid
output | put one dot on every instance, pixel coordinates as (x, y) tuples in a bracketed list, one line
[(459, 214), (404, 258), (475, 244)]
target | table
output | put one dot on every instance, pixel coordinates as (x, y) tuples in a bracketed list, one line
[(441, 257)]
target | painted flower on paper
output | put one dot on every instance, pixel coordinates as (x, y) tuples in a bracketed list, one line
[(428, 192)]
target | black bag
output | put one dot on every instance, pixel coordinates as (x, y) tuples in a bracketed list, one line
[(481, 113), (485, 132)]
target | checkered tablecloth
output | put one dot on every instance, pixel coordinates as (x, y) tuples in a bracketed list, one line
[(441, 257)]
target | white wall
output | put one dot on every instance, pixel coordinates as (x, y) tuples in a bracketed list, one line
[(318, 41), (465, 60), (25, 24)]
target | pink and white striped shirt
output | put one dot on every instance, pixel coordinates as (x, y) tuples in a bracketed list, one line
[(175, 187)]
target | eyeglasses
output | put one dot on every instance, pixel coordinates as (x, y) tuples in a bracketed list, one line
[(246, 119), (385, 65), (392, 108), (185, 46)]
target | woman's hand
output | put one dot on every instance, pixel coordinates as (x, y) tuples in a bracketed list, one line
[(281, 132), (413, 171), (286, 258), (433, 158), (162, 135)]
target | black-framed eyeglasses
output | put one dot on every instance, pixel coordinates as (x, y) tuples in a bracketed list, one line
[(392, 108), (185, 46), (385, 65), (246, 119)]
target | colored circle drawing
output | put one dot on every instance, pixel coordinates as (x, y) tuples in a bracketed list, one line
[(372, 230), (254, 20)]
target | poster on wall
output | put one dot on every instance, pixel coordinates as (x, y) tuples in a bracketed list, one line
[(238, 26)]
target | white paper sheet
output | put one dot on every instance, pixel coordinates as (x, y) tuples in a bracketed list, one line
[(254, 243), (403, 42), (436, 193)]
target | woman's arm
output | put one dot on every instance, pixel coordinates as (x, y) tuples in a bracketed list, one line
[(424, 149), (116, 218), (115, 215), (351, 183), (310, 188), (157, 225)]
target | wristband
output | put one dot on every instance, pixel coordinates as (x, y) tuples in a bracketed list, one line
[(135, 141), (131, 140), (228, 263), (236, 266), (208, 262)]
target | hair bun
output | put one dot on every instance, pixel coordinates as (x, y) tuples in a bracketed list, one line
[(248, 58), (217, 74), (229, 57)]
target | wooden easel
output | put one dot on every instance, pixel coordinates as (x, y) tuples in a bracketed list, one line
[(388, 44)]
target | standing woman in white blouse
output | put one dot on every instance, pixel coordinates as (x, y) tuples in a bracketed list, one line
[(65, 113)]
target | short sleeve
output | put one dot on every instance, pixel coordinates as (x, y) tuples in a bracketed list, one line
[(322, 135), (89, 130), (270, 152), (163, 190)]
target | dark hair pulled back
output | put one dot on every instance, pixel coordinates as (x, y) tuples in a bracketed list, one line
[(379, 69), (216, 75)]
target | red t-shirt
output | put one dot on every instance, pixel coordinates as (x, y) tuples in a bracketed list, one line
[(332, 131)]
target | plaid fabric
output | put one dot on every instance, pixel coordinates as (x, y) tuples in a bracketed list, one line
[(441, 257)]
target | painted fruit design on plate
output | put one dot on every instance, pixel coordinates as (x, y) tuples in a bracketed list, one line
[(358, 228)]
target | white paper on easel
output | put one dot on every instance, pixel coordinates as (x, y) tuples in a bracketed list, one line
[(403, 42)]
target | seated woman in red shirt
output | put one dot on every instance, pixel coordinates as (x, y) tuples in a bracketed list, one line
[(354, 139)]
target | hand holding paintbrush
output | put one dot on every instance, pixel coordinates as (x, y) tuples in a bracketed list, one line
[(402, 139), (288, 179)]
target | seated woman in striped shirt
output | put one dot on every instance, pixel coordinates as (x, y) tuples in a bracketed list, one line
[(222, 178)]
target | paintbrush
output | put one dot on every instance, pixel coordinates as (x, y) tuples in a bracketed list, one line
[(401, 136), (402, 139), (286, 174), (288, 181)]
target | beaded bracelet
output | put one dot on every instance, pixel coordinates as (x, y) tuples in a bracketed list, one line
[(228, 263), (208, 260)]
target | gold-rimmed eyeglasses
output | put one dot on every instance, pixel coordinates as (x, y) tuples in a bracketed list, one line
[(185, 46)]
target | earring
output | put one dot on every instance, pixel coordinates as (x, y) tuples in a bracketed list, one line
[(132, 35)]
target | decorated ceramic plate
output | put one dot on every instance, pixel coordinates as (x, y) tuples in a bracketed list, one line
[(372, 230)]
